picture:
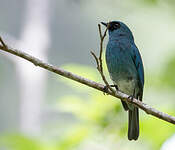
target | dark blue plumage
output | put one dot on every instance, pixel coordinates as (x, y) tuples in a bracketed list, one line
[(126, 69)]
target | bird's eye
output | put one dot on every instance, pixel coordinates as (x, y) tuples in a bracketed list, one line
[(116, 26)]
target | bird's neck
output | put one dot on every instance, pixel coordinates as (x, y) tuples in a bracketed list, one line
[(118, 35), (121, 38)]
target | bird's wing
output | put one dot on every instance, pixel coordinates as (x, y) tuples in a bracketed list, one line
[(136, 57)]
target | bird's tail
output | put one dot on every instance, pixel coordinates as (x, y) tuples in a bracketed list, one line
[(133, 124)]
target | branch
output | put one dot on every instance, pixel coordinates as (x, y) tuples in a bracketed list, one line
[(95, 85), (99, 60)]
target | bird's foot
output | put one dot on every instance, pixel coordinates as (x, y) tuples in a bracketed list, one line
[(106, 88), (131, 97)]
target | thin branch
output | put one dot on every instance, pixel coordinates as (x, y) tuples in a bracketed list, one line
[(101, 46), (99, 29), (90, 83), (99, 60), (96, 59), (2, 42)]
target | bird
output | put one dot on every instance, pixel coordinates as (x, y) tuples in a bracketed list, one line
[(126, 70)]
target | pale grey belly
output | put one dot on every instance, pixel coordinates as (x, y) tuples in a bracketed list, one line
[(126, 86)]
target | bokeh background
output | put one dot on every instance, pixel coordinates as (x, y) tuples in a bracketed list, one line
[(43, 111)]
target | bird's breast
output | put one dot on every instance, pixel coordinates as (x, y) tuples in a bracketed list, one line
[(121, 67)]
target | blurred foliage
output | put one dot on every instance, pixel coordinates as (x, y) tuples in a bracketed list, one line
[(19, 142), (156, 131), (73, 138), (96, 111), (152, 2), (95, 105), (98, 115), (167, 75)]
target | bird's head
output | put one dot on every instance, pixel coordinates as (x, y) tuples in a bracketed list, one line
[(118, 29)]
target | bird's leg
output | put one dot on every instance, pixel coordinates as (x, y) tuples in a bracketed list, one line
[(106, 88), (116, 87), (131, 97)]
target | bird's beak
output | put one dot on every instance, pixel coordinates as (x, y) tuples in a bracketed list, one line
[(105, 24)]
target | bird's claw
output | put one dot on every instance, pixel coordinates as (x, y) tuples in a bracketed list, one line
[(131, 97), (116, 87), (106, 88)]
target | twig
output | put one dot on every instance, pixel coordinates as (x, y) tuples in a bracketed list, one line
[(90, 83), (96, 59), (99, 60), (2, 42), (101, 43)]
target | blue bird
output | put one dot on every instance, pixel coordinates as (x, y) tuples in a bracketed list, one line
[(125, 67)]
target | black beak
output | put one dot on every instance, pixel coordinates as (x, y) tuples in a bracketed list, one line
[(105, 24)]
